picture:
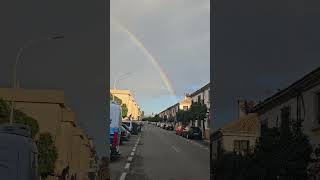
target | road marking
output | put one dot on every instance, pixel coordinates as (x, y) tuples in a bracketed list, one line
[(133, 150), (176, 149), (132, 154), (127, 166), (130, 159), (123, 176)]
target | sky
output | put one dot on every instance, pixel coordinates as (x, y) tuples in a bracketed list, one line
[(261, 46), (76, 64), (173, 33)]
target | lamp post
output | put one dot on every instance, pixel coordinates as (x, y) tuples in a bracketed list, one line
[(14, 83), (123, 76)]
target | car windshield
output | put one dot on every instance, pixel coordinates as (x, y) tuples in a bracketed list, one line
[(127, 123), (195, 129)]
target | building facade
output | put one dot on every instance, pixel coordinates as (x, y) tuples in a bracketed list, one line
[(238, 136), (203, 96), (48, 107), (171, 112), (127, 98), (299, 101)]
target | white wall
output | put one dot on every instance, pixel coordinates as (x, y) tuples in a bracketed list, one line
[(310, 114)]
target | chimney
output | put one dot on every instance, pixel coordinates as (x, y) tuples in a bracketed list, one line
[(241, 107)]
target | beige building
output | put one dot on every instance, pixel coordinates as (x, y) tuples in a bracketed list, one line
[(170, 112), (237, 136), (48, 107), (299, 101), (127, 98), (202, 95)]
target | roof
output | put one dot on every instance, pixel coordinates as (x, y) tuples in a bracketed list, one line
[(33, 95), (306, 82), (247, 124), (205, 87)]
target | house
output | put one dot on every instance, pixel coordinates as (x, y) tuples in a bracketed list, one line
[(237, 136), (127, 98), (299, 101), (171, 112), (202, 95), (53, 115)]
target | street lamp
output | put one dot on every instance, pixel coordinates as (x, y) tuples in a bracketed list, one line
[(14, 83), (123, 76)]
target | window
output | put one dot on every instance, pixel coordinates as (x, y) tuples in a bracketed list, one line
[(264, 124), (199, 98), (241, 146), (285, 117), (318, 107)]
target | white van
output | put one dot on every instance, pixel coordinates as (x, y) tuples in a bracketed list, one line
[(115, 129), (18, 153)]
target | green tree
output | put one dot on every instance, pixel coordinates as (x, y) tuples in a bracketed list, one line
[(198, 111), (116, 99), (184, 116), (280, 154), (19, 117), (47, 155), (124, 110)]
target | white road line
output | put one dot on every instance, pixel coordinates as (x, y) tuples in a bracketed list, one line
[(175, 149), (132, 154), (127, 166), (130, 159), (123, 176), (133, 150)]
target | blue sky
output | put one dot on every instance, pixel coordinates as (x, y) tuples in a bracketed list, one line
[(176, 33)]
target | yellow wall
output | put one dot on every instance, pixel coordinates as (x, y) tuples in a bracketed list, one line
[(128, 99), (49, 109)]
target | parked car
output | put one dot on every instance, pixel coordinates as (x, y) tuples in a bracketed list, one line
[(193, 133), (169, 126), (184, 131), (162, 125), (125, 134), (128, 124), (19, 154), (158, 124), (179, 129), (136, 128), (115, 130), (126, 127)]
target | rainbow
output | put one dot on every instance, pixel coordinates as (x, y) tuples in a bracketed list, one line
[(153, 60)]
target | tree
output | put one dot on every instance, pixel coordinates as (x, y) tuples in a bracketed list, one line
[(47, 155), (116, 99), (183, 116), (280, 154), (19, 117), (199, 112), (124, 110)]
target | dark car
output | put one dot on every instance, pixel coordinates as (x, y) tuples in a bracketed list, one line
[(169, 126), (193, 133), (125, 135), (136, 128)]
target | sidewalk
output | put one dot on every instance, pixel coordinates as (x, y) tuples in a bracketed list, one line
[(206, 142)]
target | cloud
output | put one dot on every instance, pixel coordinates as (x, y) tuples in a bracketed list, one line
[(177, 34)]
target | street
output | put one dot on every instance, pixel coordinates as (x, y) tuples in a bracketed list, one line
[(158, 154)]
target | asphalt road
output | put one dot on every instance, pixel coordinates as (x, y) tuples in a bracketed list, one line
[(159, 154)]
